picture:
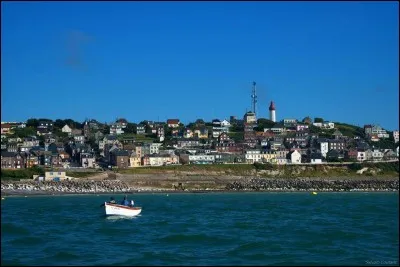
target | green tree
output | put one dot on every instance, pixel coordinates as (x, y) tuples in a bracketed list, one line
[(264, 123), (32, 123), (130, 128), (318, 120), (307, 120), (59, 124), (24, 132)]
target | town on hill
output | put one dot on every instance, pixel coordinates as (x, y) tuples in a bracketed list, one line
[(70, 144)]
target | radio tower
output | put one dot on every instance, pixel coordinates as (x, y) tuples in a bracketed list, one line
[(254, 98)]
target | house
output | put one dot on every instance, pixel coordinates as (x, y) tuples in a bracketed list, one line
[(351, 154), (324, 125), (159, 160), (277, 128), (32, 159), (201, 132), (12, 147), (5, 129), (116, 128), (376, 131), (323, 145), (45, 124), (253, 155), (120, 158), (43, 131), (396, 136), (75, 132), (390, 155), (79, 139), (338, 144), (187, 133), (55, 176), (196, 159), (361, 155), (301, 127), (289, 123), (187, 143), (134, 160), (269, 155), (122, 122), (173, 123), (250, 117), (66, 129), (294, 157), (338, 134), (140, 129), (160, 133), (316, 158), (335, 155), (30, 141), (218, 127), (229, 146), (12, 160), (377, 155), (88, 160)]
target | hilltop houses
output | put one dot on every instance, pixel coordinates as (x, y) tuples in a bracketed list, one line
[(91, 144)]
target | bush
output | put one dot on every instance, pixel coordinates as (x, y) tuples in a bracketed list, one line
[(355, 166)]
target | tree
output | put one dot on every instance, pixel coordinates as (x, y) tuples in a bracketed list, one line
[(59, 124), (318, 120), (307, 120), (24, 132), (32, 123), (130, 127), (199, 121), (264, 123), (106, 129)]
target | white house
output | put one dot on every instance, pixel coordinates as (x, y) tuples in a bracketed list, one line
[(295, 157), (324, 146), (396, 136), (253, 156), (324, 125), (66, 129), (361, 155), (197, 159)]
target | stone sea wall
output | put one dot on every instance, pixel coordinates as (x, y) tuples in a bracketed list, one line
[(299, 184), (80, 186)]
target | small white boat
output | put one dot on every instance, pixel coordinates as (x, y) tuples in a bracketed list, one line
[(121, 210)]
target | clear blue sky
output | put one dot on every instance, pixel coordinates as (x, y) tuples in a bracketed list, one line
[(189, 60)]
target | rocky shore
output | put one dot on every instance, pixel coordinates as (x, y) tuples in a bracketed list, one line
[(239, 184), (106, 186), (299, 184)]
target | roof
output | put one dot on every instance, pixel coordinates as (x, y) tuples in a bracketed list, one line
[(173, 121), (272, 106), (121, 153), (8, 154)]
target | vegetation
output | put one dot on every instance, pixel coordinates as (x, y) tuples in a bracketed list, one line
[(318, 120), (350, 130), (21, 174)]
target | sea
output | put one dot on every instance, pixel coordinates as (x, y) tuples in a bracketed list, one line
[(246, 228)]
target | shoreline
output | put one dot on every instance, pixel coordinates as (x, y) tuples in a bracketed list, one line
[(41, 194), (209, 185)]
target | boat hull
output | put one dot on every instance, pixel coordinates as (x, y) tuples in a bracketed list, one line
[(120, 210)]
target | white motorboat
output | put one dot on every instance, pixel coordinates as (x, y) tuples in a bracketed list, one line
[(121, 210)]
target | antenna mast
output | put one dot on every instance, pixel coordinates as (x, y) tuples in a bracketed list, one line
[(254, 98)]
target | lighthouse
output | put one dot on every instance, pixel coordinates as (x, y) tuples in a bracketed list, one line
[(272, 115)]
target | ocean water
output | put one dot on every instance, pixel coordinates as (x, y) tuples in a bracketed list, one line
[(353, 228)]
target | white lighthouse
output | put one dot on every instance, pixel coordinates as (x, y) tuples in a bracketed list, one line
[(272, 115)]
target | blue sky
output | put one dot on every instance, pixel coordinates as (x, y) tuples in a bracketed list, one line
[(189, 60)]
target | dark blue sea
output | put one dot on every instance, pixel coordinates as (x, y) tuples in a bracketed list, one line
[(204, 229)]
